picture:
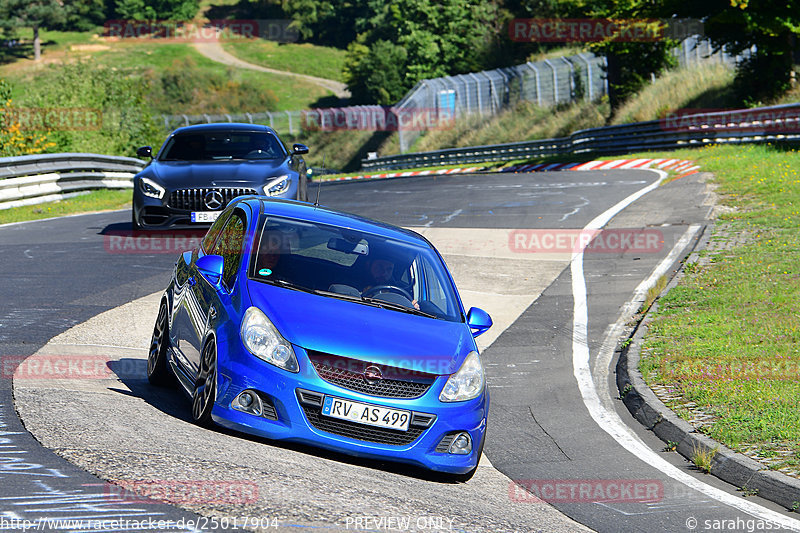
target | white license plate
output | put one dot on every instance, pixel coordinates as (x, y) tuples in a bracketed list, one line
[(368, 414), (205, 216)]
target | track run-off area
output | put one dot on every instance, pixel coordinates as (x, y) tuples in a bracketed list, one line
[(107, 445)]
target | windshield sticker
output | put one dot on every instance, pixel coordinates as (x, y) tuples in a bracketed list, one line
[(264, 272)]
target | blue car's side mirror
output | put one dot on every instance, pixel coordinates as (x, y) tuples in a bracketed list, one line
[(210, 267), (478, 320)]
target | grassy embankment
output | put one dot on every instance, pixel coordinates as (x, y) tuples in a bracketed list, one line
[(724, 348)]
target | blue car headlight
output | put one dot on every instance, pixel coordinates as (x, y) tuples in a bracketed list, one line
[(261, 339), (277, 186), (467, 383), (151, 188)]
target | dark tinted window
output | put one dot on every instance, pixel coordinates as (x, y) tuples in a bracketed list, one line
[(360, 266), (222, 145)]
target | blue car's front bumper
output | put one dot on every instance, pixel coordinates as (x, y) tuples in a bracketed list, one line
[(296, 399)]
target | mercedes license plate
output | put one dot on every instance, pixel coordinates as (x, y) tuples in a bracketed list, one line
[(205, 216)]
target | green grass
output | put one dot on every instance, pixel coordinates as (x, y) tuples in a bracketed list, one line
[(701, 87), (103, 200), (728, 336), (305, 58)]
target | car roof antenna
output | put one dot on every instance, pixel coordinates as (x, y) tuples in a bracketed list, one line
[(319, 181)]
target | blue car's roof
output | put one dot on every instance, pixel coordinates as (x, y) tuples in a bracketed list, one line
[(325, 215)]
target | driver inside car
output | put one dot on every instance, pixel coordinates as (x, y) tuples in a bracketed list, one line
[(380, 272)]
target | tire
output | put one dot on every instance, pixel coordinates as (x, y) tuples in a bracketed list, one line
[(134, 225), (205, 389), (158, 372)]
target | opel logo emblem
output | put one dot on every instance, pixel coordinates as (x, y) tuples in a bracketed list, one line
[(372, 374), (213, 200)]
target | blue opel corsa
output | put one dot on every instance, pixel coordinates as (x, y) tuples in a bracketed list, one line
[(297, 322)]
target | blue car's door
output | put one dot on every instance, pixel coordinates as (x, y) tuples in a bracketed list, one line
[(188, 313), (212, 296)]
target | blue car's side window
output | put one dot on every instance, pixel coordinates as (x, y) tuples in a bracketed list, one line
[(229, 246)]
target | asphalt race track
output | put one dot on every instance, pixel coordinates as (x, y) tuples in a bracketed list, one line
[(556, 425)]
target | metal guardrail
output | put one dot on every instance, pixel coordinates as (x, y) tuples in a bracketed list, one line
[(758, 125), (33, 179)]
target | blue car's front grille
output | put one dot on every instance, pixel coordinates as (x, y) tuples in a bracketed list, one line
[(195, 199), (351, 374)]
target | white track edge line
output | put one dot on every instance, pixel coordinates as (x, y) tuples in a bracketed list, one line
[(609, 421)]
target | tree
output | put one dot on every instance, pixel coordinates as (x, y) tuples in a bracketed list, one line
[(438, 38), (155, 9), (771, 26), (33, 14), (375, 74)]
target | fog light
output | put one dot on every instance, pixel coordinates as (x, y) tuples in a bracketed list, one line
[(461, 445), (245, 400), (248, 402)]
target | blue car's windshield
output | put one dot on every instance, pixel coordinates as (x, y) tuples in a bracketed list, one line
[(222, 145), (353, 265)]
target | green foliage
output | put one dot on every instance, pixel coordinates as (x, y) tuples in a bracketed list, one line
[(118, 95), (27, 13), (438, 38), (185, 87), (14, 141), (375, 74), (82, 15), (773, 27), (155, 9)]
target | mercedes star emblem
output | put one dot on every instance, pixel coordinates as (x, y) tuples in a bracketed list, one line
[(213, 200)]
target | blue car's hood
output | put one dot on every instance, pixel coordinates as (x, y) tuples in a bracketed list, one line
[(180, 174), (364, 332)]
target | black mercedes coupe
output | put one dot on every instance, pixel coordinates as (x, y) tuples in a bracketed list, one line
[(200, 169)]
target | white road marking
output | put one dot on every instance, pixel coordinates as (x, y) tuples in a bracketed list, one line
[(608, 420)]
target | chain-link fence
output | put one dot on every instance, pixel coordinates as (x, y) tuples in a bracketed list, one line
[(547, 82)]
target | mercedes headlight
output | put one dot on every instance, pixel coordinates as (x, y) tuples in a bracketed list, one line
[(467, 383), (151, 188), (277, 186), (262, 340)]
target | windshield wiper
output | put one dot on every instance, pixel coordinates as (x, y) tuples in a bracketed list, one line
[(398, 307), (287, 284), (348, 297)]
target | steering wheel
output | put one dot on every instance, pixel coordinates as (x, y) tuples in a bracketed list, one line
[(258, 151), (368, 292)]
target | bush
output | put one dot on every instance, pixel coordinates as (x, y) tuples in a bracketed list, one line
[(184, 88), (116, 96), (13, 140)]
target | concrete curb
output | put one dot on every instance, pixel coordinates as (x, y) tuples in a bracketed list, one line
[(730, 466)]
